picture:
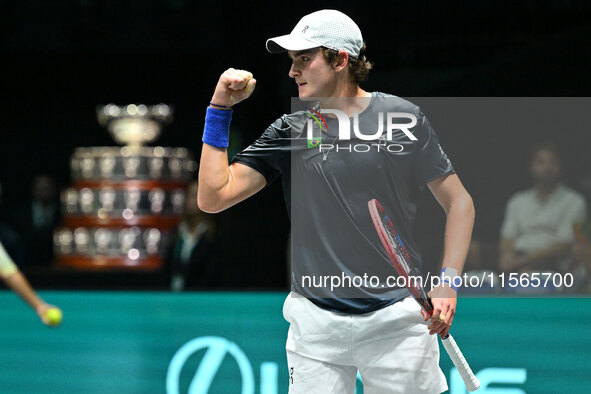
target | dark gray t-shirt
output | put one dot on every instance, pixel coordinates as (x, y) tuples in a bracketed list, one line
[(338, 261)]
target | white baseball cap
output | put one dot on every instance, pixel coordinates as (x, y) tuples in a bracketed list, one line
[(328, 28)]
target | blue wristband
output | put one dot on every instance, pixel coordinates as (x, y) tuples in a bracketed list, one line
[(450, 277), (217, 127), (449, 281)]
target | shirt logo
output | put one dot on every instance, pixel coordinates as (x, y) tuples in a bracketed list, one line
[(313, 142)]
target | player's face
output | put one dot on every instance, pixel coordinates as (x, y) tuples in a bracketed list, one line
[(545, 167), (312, 73)]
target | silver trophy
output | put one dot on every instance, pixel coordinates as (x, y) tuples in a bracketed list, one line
[(134, 125), (125, 200)]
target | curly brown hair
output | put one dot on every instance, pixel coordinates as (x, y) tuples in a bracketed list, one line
[(358, 68)]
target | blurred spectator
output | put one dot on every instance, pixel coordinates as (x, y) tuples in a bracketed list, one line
[(537, 232), (36, 219), (192, 256)]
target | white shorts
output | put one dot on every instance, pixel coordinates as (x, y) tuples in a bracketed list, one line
[(391, 348)]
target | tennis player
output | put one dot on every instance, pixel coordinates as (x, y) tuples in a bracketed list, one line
[(337, 332), (15, 280)]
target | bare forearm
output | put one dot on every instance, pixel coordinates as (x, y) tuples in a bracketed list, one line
[(21, 286), (458, 232)]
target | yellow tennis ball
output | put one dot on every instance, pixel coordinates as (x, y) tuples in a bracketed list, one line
[(53, 316)]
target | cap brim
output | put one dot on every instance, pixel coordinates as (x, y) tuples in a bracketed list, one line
[(289, 43)]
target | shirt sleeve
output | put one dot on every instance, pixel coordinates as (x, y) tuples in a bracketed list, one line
[(265, 155), (576, 212), (431, 161)]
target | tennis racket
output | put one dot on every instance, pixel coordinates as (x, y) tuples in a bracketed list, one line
[(400, 260)]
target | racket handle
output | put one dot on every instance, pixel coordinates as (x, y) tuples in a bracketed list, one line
[(461, 364)]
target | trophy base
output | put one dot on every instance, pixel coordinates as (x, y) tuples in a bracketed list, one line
[(161, 222), (103, 263)]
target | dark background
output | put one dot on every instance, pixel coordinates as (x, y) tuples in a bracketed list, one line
[(62, 59)]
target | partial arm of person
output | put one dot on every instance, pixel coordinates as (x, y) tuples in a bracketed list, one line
[(16, 281), (459, 208), (542, 259), (222, 185), (20, 285)]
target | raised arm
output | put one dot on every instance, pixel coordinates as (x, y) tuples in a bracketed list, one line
[(222, 185)]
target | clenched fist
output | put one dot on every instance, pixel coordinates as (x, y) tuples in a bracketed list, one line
[(233, 87)]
